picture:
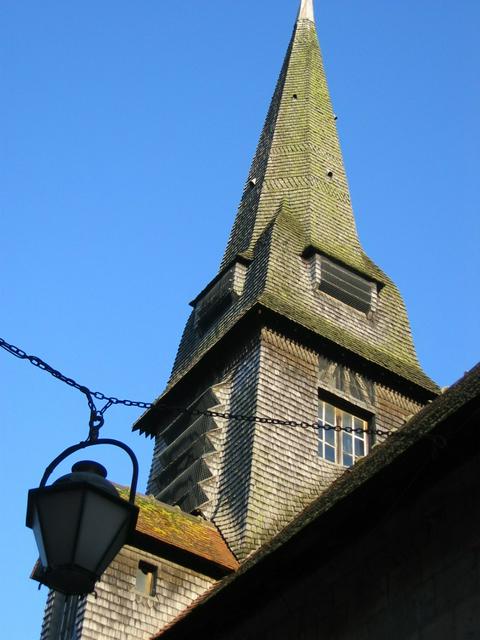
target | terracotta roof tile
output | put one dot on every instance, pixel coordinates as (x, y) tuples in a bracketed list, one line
[(180, 530)]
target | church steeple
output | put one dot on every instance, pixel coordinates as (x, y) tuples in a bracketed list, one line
[(297, 183), (298, 320)]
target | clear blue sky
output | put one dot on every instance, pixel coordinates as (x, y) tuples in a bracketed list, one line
[(127, 129)]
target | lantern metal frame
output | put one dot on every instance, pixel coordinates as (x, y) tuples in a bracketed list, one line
[(90, 443), (41, 572)]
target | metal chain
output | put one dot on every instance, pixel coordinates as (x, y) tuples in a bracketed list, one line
[(97, 419), (38, 362), (226, 415)]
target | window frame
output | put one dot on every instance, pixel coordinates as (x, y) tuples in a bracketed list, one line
[(341, 447), (150, 571)]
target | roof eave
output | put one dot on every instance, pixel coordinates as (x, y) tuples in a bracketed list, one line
[(182, 557), (256, 317)]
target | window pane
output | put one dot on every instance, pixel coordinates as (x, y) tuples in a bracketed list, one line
[(141, 583), (329, 414), (329, 453), (321, 442), (146, 578), (341, 447), (320, 411), (329, 436), (347, 460), (347, 419), (359, 447), (359, 424), (347, 443)]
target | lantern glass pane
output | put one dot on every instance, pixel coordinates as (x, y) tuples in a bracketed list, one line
[(102, 525), (37, 532), (59, 512)]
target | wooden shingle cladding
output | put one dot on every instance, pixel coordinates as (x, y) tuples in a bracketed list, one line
[(267, 337), (219, 294), (188, 556), (415, 576), (286, 473), (119, 611), (185, 464), (266, 474), (263, 345), (296, 204), (298, 158)]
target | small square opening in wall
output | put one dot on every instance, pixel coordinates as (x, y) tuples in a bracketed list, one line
[(146, 579)]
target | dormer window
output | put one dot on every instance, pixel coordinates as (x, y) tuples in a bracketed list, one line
[(219, 295), (344, 284)]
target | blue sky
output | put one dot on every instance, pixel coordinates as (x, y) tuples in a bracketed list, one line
[(127, 130)]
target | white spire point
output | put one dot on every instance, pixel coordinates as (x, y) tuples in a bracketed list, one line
[(306, 10)]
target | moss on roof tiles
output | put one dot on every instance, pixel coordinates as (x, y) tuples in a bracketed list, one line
[(176, 528), (298, 149), (289, 293), (344, 339)]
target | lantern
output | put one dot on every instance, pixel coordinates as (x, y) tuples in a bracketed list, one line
[(80, 522)]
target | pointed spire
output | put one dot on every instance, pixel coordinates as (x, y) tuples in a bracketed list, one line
[(298, 158), (306, 11)]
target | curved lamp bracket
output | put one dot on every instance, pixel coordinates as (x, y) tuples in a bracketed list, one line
[(92, 443)]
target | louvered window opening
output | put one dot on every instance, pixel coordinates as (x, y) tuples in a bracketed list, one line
[(185, 488), (216, 301), (186, 440), (180, 458), (346, 286), (200, 448), (185, 420)]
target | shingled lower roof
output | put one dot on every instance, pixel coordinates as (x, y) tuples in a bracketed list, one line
[(169, 532)]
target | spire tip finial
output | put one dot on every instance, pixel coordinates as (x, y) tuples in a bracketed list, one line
[(306, 10)]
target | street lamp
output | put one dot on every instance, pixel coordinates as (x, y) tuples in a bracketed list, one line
[(80, 522)]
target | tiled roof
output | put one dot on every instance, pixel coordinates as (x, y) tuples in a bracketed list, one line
[(193, 535), (462, 399)]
